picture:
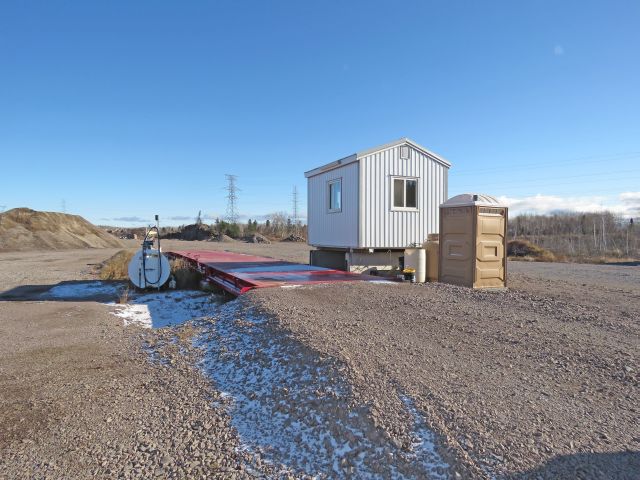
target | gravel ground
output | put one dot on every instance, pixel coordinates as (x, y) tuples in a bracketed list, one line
[(519, 384), (540, 381), (82, 397)]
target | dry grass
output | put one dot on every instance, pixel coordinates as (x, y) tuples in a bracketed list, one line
[(526, 251), (186, 277), (124, 296), (606, 260), (116, 268)]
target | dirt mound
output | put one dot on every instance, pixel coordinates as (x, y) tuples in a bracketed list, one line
[(294, 238), (220, 237), (257, 238), (525, 250), (26, 229), (191, 232)]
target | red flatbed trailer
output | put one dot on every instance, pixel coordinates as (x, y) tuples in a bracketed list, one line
[(238, 273)]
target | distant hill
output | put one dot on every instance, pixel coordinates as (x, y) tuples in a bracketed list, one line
[(26, 229)]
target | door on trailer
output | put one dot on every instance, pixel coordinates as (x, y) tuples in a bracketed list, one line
[(490, 247)]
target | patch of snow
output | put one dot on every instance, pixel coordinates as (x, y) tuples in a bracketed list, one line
[(79, 290), (296, 409), (162, 309)]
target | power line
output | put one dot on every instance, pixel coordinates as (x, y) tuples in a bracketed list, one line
[(544, 181), (533, 166), (232, 198)]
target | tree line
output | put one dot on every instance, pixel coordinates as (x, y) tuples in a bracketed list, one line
[(601, 234)]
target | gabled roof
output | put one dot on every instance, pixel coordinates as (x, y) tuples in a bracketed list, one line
[(357, 156)]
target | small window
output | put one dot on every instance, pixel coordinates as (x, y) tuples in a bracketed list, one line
[(405, 193), (404, 152), (335, 195)]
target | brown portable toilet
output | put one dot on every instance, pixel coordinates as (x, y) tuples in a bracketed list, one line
[(473, 235)]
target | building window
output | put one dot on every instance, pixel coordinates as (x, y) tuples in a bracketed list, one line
[(405, 193), (335, 195)]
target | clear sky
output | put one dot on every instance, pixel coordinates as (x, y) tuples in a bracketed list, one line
[(121, 109)]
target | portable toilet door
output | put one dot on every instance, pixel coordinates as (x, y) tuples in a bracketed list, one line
[(473, 232)]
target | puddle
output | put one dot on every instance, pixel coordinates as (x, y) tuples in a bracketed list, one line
[(290, 406)]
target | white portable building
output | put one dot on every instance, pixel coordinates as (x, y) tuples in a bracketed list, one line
[(383, 198)]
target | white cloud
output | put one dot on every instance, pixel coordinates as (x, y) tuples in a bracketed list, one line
[(558, 50), (626, 204), (631, 201)]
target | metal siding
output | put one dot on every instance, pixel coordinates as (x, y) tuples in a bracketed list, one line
[(384, 228), (338, 229)]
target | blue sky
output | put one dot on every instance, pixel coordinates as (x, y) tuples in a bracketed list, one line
[(126, 109)]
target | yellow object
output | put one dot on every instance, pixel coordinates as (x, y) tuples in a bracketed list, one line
[(416, 258), (409, 270)]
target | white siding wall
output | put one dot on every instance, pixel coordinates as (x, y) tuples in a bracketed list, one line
[(382, 227), (339, 229)]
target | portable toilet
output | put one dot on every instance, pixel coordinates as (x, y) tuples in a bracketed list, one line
[(473, 233)]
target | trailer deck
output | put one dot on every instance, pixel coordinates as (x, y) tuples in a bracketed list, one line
[(237, 273)]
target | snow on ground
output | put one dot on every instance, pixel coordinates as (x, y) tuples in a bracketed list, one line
[(291, 406), (286, 403), (82, 290), (162, 309)]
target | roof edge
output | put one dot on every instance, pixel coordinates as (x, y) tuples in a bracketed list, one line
[(356, 156), (415, 145), (330, 166)]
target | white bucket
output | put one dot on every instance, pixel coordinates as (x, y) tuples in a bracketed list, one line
[(416, 258)]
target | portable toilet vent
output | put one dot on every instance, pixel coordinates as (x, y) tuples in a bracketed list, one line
[(473, 232)]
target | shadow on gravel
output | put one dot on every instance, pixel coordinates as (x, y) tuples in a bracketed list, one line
[(71, 291), (623, 264), (591, 466)]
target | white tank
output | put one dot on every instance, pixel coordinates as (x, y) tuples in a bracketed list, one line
[(416, 258), (153, 272)]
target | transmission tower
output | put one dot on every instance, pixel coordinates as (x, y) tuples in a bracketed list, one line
[(232, 198), (63, 204), (294, 200)]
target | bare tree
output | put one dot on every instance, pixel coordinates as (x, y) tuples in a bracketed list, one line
[(294, 199)]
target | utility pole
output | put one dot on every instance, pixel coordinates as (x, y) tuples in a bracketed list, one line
[(294, 199), (232, 198), (63, 204)]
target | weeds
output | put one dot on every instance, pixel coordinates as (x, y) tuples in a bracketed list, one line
[(527, 251), (186, 277), (117, 267), (124, 296)]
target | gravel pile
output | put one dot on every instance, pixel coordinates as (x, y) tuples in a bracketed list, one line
[(295, 409), (519, 384)]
